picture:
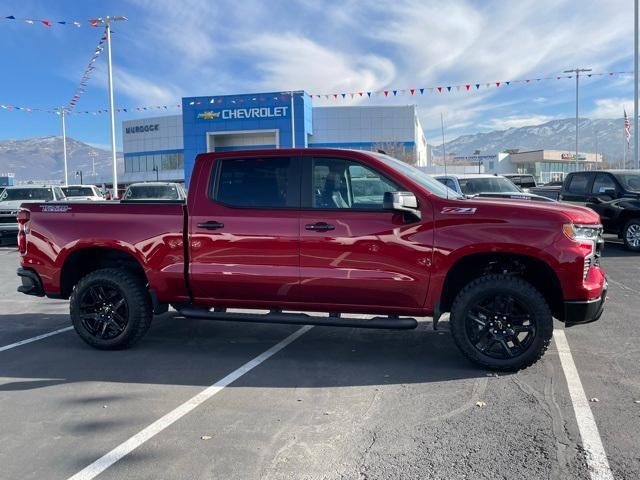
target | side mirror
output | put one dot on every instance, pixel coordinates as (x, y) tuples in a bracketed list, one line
[(405, 202)]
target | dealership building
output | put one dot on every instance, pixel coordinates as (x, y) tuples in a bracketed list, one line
[(165, 147)]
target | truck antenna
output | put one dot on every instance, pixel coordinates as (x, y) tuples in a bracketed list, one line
[(444, 151)]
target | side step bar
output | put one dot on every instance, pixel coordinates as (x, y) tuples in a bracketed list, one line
[(300, 319)]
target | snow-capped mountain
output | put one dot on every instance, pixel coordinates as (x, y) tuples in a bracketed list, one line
[(41, 158), (555, 135)]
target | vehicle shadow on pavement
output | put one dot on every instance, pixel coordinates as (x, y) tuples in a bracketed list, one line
[(617, 249), (179, 351)]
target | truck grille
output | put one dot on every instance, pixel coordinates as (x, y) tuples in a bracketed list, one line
[(8, 219)]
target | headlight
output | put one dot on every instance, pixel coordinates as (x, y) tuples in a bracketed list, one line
[(582, 233)]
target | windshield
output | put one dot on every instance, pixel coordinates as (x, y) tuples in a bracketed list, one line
[(11, 194), (524, 181), (418, 176), (630, 181), (78, 191), (474, 186), (152, 192)]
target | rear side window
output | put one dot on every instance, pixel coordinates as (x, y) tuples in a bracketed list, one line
[(602, 183), (578, 183), (258, 183)]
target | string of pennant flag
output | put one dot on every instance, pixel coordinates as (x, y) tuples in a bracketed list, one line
[(86, 76), (93, 22), (285, 96)]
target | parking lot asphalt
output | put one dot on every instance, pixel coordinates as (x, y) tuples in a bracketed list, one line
[(334, 403)]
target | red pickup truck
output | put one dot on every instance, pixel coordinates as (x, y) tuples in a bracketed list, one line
[(320, 230)]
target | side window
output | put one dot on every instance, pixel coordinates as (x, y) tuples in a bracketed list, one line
[(602, 183), (450, 183), (339, 183), (578, 183), (258, 182)]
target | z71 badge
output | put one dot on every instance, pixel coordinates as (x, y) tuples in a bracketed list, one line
[(459, 210)]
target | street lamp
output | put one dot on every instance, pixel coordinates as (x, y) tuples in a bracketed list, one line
[(577, 72), (477, 153), (79, 174), (155, 169)]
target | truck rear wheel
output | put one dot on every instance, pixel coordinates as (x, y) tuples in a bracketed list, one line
[(501, 322), (111, 308), (631, 235)]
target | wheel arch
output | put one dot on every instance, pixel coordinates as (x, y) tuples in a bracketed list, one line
[(82, 261), (472, 266)]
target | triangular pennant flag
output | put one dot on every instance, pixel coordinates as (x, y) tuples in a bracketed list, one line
[(610, 73), (440, 89), (497, 84), (46, 22), (487, 85), (29, 21), (335, 95), (77, 24), (467, 86), (94, 22), (62, 23), (422, 91), (507, 83), (360, 93), (477, 86), (343, 95), (527, 81), (558, 78), (449, 88), (457, 88), (589, 75), (412, 90), (386, 93), (369, 94), (395, 92), (10, 17)]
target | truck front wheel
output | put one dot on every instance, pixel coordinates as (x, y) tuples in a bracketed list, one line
[(501, 322), (111, 308)]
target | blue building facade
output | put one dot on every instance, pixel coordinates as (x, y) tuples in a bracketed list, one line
[(165, 148)]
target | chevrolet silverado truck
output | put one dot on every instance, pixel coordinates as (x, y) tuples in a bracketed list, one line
[(293, 231)]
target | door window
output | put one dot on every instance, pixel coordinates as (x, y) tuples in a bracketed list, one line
[(579, 183), (339, 183), (602, 183), (258, 183)]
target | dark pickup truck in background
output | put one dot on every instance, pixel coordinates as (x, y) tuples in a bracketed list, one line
[(614, 195), (321, 230)]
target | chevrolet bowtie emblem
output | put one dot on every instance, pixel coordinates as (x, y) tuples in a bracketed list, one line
[(209, 115)]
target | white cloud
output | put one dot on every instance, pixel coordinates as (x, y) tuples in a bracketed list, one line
[(612, 108), (516, 121), (145, 91)]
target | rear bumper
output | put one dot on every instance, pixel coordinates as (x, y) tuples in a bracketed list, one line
[(31, 283), (586, 311), (8, 230)]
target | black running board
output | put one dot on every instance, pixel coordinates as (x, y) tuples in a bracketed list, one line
[(300, 319)]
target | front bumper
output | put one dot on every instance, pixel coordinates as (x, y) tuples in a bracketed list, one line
[(31, 283), (8, 230), (585, 311)]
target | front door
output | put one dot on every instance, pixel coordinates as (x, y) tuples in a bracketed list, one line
[(353, 252), (244, 235)]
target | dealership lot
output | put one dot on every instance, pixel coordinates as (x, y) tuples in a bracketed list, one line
[(329, 403)]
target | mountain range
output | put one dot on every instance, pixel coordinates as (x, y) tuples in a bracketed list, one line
[(41, 159), (604, 135)]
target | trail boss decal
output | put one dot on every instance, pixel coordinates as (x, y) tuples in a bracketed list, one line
[(55, 208), (458, 210)]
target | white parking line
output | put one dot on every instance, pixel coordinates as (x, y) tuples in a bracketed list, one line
[(596, 457), (122, 450), (34, 339)]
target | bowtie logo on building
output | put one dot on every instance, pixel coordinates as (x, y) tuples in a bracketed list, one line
[(209, 115)]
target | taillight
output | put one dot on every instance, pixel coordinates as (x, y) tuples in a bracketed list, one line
[(23, 219)]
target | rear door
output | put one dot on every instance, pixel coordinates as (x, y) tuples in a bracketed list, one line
[(244, 234), (353, 252)]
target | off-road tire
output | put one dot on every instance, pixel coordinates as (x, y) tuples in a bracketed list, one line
[(138, 303), (505, 285)]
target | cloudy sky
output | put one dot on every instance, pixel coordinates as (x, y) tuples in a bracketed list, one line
[(169, 49)]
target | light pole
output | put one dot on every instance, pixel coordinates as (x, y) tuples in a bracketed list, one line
[(635, 85), (577, 71), (93, 156), (112, 112), (155, 169), (64, 146), (79, 174)]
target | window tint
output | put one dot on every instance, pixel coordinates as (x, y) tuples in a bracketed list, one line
[(341, 183), (602, 183), (260, 183), (578, 183), (78, 191)]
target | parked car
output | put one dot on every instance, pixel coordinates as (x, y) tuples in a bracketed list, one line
[(12, 197), (155, 191), (486, 185), (75, 193), (523, 181), (285, 230), (614, 195)]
